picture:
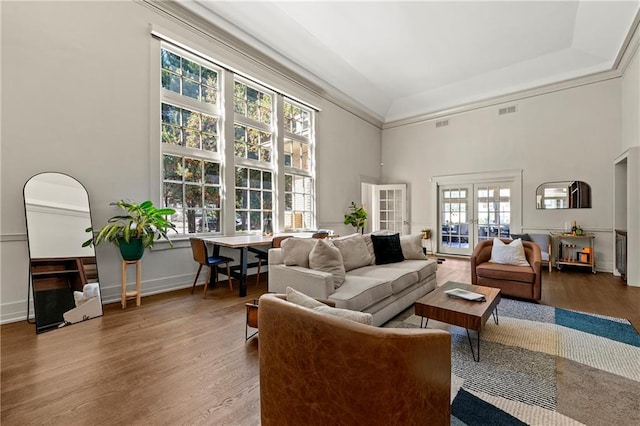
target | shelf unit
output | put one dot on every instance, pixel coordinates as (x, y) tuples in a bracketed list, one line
[(573, 250)]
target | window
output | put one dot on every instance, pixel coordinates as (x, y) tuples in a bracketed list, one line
[(298, 179), (194, 156), (191, 178)]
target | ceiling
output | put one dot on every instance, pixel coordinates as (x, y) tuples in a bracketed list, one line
[(397, 60)]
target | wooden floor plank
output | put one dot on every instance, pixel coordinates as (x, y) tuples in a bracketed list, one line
[(182, 359)]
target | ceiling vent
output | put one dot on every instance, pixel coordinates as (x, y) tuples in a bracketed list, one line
[(507, 110), (442, 123)]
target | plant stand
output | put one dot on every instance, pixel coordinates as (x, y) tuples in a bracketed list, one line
[(130, 294)]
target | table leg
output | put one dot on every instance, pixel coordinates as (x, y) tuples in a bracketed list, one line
[(471, 344), (244, 254)]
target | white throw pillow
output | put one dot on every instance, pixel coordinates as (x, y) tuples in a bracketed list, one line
[(354, 251), (302, 299), (326, 257), (508, 254), (294, 296), (412, 247), (295, 251)]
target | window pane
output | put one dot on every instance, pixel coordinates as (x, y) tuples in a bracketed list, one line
[(241, 198), (211, 173), (255, 202), (255, 178), (172, 195), (241, 177), (266, 180), (193, 170), (212, 197), (256, 221), (193, 195), (241, 221), (172, 165)]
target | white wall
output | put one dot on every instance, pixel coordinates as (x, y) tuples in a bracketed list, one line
[(629, 149), (76, 92), (564, 135)]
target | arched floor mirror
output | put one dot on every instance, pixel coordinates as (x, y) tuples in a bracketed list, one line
[(63, 275)]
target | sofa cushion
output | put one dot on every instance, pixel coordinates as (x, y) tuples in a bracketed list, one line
[(354, 251), (508, 254), (400, 278), (302, 299), (412, 247), (387, 248), (369, 243), (424, 268), (496, 271), (358, 293), (295, 251), (326, 257)]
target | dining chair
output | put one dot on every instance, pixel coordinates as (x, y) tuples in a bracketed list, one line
[(264, 256), (201, 255)]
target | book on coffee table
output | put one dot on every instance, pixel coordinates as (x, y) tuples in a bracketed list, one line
[(465, 294)]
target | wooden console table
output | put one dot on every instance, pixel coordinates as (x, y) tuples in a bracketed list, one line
[(573, 250)]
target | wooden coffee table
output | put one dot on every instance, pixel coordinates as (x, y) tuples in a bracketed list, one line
[(463, 313)]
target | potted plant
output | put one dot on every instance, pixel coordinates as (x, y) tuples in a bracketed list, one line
[(136, 230), (357, 218)]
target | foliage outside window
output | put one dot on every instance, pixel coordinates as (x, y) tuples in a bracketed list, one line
[(191, 181), (298, 179), (193, 149)]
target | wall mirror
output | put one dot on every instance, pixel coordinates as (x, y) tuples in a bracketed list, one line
[(63, 275), (572, 194)]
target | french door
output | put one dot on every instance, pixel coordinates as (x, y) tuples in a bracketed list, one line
[(389, 208), (470, 213)]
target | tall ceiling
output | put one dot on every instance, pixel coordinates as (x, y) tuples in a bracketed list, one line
[(397, 60)]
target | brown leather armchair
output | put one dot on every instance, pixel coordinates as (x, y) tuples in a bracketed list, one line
[(517, 281), (319, 369)]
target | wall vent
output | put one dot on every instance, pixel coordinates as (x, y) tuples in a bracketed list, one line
[(442, 123), (507, 110)]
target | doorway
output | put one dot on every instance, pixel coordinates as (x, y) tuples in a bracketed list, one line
[(472, 208)]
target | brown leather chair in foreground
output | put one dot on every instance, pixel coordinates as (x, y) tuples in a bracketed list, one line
[(319, 369), (517, 281)]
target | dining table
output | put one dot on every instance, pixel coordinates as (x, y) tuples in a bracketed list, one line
[(245, 244)]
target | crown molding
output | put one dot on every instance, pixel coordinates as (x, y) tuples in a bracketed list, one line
[(295, 74)]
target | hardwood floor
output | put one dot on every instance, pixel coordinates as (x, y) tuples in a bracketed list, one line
[(181, 359)]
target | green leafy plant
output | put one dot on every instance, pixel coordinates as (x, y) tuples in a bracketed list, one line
[(357, 218), (142, 221)]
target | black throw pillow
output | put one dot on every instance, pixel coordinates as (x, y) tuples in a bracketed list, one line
[(523, 237), (387, 248)]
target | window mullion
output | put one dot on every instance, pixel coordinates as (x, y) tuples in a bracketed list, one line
[(228, 165)]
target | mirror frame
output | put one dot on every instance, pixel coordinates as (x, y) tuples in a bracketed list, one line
[(571, 194), (69, 285)]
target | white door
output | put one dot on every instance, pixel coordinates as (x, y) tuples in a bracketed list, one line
[(470, 213), (390, 208), (456, 217)]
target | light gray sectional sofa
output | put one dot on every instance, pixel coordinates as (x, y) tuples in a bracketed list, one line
[(313, 267)]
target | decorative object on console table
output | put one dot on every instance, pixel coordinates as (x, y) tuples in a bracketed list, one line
[(571, 250)]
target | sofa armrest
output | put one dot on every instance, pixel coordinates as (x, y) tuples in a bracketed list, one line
[(308, 281)]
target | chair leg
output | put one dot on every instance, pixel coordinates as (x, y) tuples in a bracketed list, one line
[(258, 273), (196, 280), (229, 275)]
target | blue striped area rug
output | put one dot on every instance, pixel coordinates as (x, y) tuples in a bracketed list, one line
[(544, 366)]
